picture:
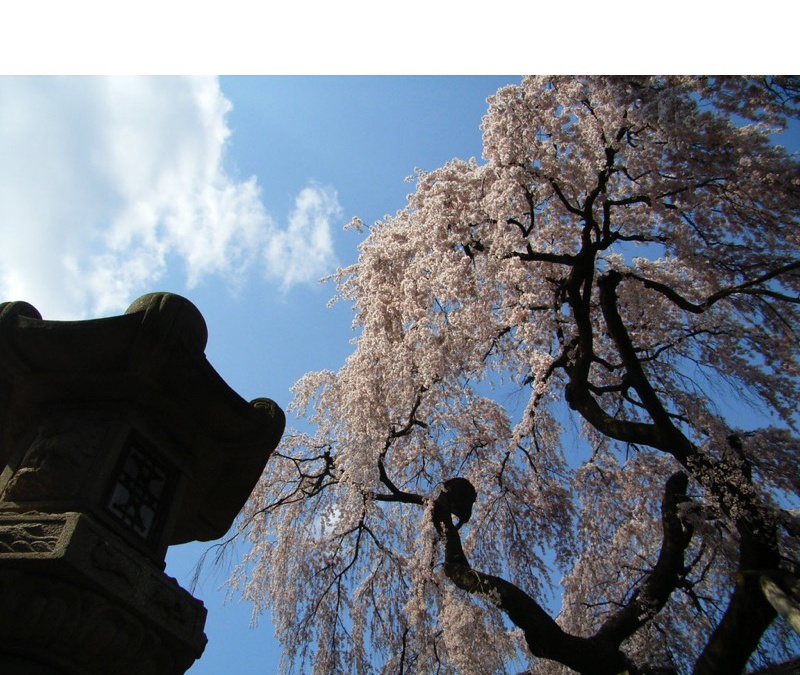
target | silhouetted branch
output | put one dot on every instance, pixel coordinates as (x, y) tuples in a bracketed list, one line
[(545, 638)]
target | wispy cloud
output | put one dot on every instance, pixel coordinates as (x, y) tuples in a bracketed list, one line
[(106, 184), (298, 253)]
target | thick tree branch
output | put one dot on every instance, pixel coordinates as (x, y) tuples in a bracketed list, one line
[(748, 614), (654, 592), (395, 493), (563, 199), (578, 392), (545, 638), (746, 618), (529, 255), (667, 436), (580, 399)]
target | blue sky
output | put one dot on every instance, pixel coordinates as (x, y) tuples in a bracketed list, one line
[(232, 192)]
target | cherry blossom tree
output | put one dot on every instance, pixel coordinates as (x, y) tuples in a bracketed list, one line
[(566, 436)]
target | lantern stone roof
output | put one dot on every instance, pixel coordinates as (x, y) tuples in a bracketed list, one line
[(150, 359)]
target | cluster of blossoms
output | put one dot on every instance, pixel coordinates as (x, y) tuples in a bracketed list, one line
[(562, 325)]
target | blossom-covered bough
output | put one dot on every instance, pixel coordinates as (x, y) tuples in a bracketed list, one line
[(595, 330)]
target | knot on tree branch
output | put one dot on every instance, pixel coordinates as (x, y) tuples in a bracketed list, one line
[(453, 497)]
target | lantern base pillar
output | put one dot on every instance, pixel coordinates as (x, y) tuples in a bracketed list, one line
[(78, 600)]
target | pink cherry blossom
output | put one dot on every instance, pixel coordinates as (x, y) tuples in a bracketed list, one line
[(596, 326)]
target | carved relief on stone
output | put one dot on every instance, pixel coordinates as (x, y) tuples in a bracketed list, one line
[(56, 463), (34, 537)]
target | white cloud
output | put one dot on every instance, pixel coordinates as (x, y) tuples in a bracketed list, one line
[(107, 183), (303, 251)]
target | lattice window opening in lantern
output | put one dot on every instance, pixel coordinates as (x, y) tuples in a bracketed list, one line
[(140, 492)]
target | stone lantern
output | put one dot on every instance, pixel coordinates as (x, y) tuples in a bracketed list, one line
[(117, 439)]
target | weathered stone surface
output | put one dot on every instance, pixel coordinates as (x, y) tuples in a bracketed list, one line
[(151, 360), (62, 575), (117, 438), (78, 601)]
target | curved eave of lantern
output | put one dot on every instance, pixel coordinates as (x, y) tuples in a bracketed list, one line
[(152, 357)]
